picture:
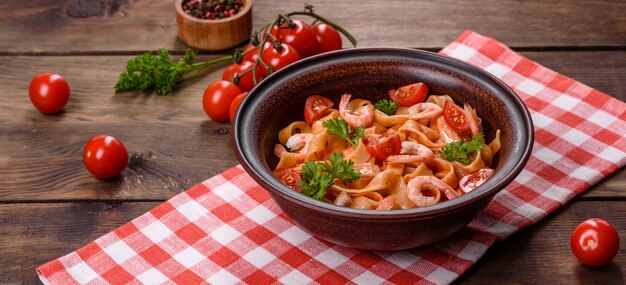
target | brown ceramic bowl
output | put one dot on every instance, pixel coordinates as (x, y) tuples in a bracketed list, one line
[(370, 73)]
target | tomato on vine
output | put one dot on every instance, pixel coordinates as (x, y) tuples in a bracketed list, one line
[(49, 92), (105, 156), (217, 99), (244, 74), (235, 104), (298, 35), (327, 38), (279, 56)]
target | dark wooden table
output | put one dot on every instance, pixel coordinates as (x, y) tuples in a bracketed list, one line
[(50, 205)]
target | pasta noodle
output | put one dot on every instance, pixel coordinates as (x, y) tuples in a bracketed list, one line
[(412, 172)]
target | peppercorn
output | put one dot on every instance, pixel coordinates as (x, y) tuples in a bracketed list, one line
[(212, 9)]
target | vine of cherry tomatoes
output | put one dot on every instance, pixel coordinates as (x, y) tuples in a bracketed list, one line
[(286, 42)]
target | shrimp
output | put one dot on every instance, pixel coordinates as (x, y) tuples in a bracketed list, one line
[(297, 142), (412, 152), (361, 115), (424, 110), (422, 195), (472, 119)]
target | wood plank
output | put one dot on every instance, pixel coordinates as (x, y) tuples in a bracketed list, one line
[(92, 79), (149, 25), (541, 254), (42, 232), (166, 158)]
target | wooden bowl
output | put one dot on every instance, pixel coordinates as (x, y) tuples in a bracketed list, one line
[(218, 34), (369, 73)]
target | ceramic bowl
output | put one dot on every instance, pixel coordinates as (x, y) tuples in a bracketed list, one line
[(369, 73), (217, 34)]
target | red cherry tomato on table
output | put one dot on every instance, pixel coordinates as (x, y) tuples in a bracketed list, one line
[(49, 92), (384, 146), (410, 94), (300, 37), (289, 177), (473, 180), (235, 104), (328, 39), (279, 58), (594, 242), (246, 81), (315, 106), (253, 52), (105, 156), (217, 99), (455, 116)]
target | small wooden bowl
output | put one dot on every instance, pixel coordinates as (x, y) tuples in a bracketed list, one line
[(216, 34)]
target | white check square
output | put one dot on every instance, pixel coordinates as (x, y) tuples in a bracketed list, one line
[(331, 258), (228, 191), (192, 210), (189, 257), (259, 257), (120, 251), (225, 234), (156, 231), (82, 273)]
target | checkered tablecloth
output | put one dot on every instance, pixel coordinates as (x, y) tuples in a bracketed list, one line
[(227, 230)]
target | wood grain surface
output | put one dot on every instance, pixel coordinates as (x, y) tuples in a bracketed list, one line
[(426, 24), (50, 205)]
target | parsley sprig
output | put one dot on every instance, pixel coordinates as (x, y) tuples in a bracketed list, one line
[(158, 72), (318, 176), (387, 106), (461, 149), (341, 129)]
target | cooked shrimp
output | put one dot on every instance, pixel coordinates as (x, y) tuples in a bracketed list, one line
[(472, 119), (298, 141), (422, 195), (388, 203), (412, 152), (424, 110), (358, 113)]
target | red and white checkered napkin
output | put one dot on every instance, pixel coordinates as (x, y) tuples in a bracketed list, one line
[(227, 229)]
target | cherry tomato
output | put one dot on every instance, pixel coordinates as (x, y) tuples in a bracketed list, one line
[(278, 59), (410, 94), (245, 81), (473, 180), (315, 106), (254, 52), (594, 242), (289, 177), (455, 116), (217, 99), (384, 146), (300, 37), (105, 156), (49, 92), (235, 104), (328, 39)]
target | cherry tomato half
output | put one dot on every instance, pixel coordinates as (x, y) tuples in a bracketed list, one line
[(105, 156), (289, 177), (279, 58), (594, 242), (315, 106), (235, 104), (328, 39), (245, 81), (49, 92), (217, 99), (455, 116), (410, 94), (473, 180), (384, 146), (299, 37)]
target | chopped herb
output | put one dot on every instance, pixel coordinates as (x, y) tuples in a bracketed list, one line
[(460, 150), (387, 106), (341, 129), (318, 176)]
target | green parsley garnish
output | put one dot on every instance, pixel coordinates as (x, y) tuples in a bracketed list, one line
[(318, 176), (341, 129), (460, 150), (157, 72), (387, 106)]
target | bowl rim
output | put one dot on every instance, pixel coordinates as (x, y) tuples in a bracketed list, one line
[(247, 6), (273, 186)]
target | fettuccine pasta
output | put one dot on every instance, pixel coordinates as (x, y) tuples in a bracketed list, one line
[(405, 159)]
